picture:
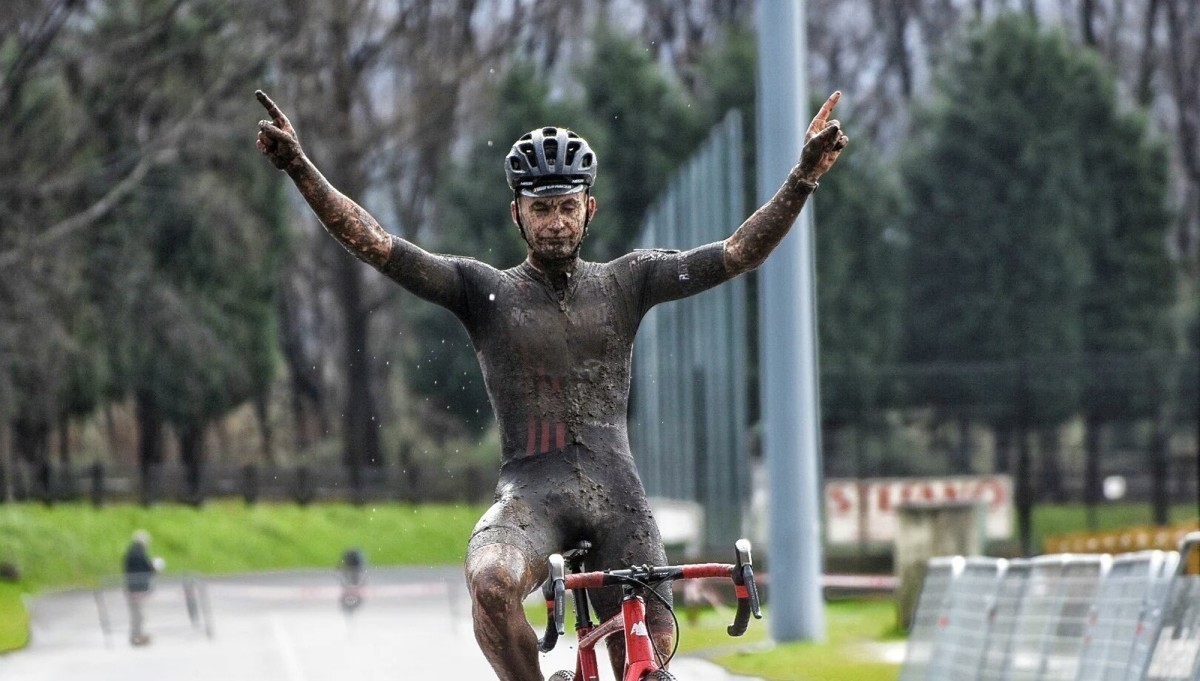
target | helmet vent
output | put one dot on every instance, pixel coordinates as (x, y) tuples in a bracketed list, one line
[(586, 161), (572, 147), (551, 147), (529, 154)]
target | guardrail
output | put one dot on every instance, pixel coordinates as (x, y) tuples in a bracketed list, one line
[(171, 600), (1062, 617)]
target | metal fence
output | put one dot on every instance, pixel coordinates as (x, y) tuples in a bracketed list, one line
[(689, 426), (1002, 620), (930, 617), (177, 607), (1061, 617), (1176, 651), (101, 484)]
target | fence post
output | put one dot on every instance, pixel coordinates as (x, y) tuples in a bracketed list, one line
[(96, 486), (250, 483), (304, 486)]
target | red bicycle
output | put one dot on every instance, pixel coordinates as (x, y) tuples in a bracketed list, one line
[(643, 662)]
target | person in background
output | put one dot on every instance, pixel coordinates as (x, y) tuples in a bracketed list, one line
[(353, 572), (139, 569)]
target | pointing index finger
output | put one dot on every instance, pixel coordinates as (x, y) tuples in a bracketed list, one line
[(270, 106), (818, 122)]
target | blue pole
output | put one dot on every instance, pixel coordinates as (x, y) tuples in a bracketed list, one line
[(787, 330)]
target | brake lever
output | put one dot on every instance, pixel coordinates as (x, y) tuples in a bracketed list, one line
[(554, 590), (746, 567)]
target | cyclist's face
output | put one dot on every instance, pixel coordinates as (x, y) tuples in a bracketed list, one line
[(554, 224)]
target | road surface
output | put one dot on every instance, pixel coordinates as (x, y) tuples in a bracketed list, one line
[(414, 623)]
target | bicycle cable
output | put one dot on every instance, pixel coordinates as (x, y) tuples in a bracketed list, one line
[(671, 609)]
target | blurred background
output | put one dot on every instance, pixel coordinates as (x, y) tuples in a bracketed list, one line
[(1007, 256)]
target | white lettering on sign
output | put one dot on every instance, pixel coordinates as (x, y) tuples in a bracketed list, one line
[(858, 509)]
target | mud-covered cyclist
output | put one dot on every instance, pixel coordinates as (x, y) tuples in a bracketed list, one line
[(554, 338)]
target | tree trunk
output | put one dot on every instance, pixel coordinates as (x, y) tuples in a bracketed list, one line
[(360, 419), (1024, 493), (150, 446), (1160, 463), (191, 454), (33, 445), (962, 453), (67, 487), (1091, 468), (64, 440), (307, 389), (1148, 60), (262, 412), (1087, 15), (1003, 453), (1025, 490), (1183, 62), (6, 463), (1052, 473)]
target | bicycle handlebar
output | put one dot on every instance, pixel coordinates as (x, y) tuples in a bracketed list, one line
[(741, 573)]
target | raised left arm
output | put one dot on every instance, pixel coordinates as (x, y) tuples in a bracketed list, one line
[(754, 240)]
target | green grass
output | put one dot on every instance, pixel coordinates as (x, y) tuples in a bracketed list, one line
[(76, 544), (851, 651)]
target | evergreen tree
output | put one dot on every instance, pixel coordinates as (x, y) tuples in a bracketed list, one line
[(184, 267), (1037, 234), (859, 262), (646, 127), (1128, 304), (998, 247)]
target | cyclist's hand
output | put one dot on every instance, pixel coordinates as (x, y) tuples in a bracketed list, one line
[(823, 142), (277, 139)]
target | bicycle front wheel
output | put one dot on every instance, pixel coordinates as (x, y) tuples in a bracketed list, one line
[(658, 675), (562, 675)]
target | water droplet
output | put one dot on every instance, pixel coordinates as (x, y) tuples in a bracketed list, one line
[(491, 296)]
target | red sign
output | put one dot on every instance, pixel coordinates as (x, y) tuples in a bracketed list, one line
[(855, 509)]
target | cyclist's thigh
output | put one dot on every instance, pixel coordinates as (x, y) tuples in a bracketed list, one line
[(513, 522)]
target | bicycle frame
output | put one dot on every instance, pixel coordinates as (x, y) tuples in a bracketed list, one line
[(640, 657), (639, 652)]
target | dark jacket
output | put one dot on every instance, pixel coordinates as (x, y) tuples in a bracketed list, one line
[(138, 568)]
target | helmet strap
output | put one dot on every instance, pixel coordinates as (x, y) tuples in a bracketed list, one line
[(587, 214), (520, 224)]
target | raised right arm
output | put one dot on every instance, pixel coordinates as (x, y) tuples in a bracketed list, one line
[(347, 221)]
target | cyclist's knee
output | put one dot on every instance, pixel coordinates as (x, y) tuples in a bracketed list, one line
[(497, 577)]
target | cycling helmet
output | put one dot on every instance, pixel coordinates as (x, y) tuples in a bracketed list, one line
[(550, 162)]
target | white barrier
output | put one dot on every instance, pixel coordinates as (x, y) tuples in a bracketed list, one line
[(927, 618), (1126, 615), (1176, 652), (1063, 617)]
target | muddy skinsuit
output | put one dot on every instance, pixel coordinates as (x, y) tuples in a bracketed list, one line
[(555, 359)]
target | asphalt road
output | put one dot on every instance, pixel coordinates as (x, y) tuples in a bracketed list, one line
[(414, 623)]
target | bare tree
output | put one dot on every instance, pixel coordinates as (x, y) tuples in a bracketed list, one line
[(1182, 63)]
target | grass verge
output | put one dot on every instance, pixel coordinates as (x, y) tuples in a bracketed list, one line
[(76, 545), (857, 635)]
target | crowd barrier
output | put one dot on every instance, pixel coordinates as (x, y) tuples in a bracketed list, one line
[(177, 606), (1062, 617)]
